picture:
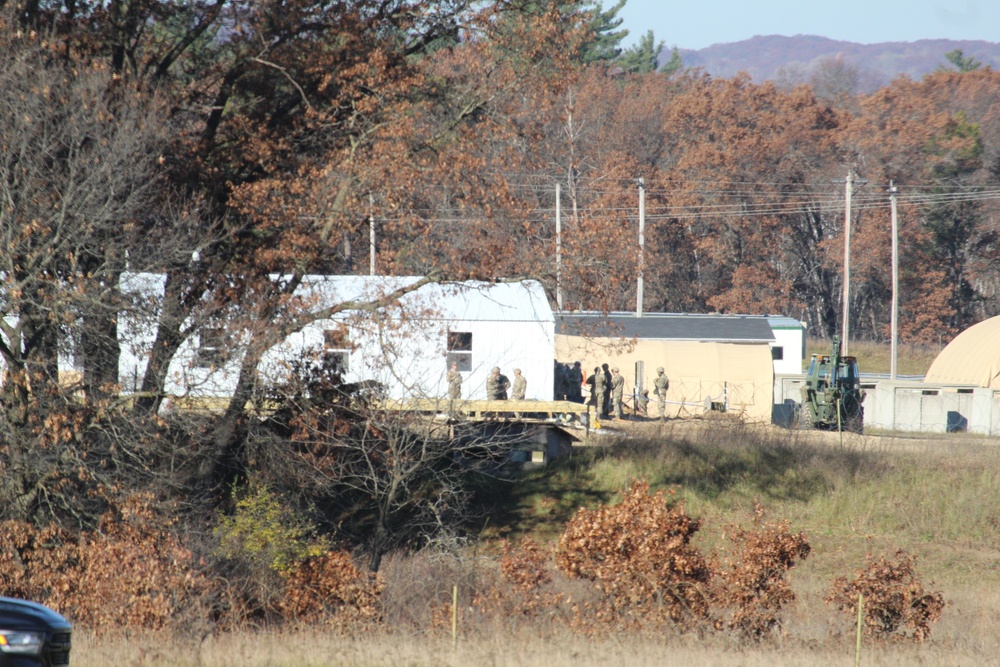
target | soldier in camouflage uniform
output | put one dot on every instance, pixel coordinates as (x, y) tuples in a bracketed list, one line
[(574, 382), (520, 386), (454, 383), (497, 385), (617, 389), (661, 384), (643, 403), (596, 382)]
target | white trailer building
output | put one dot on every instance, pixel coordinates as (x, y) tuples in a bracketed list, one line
[(407, 347)]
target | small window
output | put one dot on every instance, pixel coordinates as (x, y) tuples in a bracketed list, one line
[(777, 353), (211, 347), (460, 350), (337, 346)]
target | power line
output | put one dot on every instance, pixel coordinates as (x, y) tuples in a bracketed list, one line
[(741, 209)]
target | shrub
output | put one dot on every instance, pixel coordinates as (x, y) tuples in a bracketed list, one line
[(754, 582), (31, 559), (331, 589), (280, 568), (268, 533), (131, 573), (894, 598), (639, 555), (521, 591)]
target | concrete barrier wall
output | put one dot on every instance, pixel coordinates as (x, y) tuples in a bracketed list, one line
[(908, 406)]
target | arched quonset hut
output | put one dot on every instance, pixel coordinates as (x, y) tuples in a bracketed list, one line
[(972, 358)]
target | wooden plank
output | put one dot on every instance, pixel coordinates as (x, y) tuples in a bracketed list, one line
[(477, 407)]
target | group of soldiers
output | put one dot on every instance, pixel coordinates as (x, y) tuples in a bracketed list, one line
[(497, 385), (606, 387)]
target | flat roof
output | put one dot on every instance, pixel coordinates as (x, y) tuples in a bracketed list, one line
[(666, 326)]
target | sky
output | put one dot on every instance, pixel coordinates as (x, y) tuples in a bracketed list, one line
[(689, 24)]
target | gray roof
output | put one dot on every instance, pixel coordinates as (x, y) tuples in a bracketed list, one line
[(783, 322), (667, 326)]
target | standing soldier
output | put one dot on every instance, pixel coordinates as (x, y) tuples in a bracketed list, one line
[(575, 382), (559, 381), (661, 384), (606, 403), (617, 388), (520, 386), (497, 385), (596, 382), (454, 383)]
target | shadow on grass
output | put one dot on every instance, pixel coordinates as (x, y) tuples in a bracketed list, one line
[(713, 464), (539, 501)]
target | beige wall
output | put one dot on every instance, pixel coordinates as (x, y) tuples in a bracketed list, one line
[(740, 374)]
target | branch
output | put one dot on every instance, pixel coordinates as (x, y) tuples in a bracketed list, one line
[(288, 76)]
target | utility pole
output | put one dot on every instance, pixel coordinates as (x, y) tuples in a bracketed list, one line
[(559, 302), (642, 246), (371, 234), (846, 321), (895, 283), (846, 324)]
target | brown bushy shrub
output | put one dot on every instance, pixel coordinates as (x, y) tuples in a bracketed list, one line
[(31, 560), (895, 601), (639, 555), (522, 589), (753, 579), (130, 573), (330, 589)]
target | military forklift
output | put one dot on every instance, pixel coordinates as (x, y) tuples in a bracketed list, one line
[(832, 397)]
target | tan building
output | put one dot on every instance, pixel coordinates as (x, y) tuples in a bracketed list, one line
[(713, 361)]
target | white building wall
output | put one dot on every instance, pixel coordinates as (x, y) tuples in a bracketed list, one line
[(407, 355), (791, 340), (411, 361)]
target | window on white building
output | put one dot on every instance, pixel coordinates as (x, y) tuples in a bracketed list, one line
[(337, 346), (460, 350), (211, 347)]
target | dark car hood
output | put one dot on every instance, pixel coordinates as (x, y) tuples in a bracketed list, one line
[(24, 615)]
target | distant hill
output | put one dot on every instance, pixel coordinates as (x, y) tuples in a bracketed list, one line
[(793, 59)]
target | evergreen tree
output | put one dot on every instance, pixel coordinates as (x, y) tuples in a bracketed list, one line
[(674, 64), (962, 62), (605, 41), (644, 56)]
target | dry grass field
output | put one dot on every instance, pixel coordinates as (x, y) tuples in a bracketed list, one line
[(310, 648), (936, 497), (876, 357)]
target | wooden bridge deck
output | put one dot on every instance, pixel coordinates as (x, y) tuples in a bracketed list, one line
[(479, 409)]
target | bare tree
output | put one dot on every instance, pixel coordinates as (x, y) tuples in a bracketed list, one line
[(380, 478), (77, 176)]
